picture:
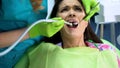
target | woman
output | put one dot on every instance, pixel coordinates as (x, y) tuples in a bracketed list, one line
[(79, 48), (77, 16)]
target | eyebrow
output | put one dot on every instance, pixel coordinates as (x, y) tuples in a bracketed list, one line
[(78, 6), (73, 6), (65, 7)]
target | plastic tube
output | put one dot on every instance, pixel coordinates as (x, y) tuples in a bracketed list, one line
[(20, 38)]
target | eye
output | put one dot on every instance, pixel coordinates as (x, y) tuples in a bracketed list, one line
[(64, 9), (77, 8)]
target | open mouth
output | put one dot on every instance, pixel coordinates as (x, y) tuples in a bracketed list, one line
[(72, 23)]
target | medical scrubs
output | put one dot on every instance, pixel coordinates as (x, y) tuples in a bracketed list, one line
[(15, 15)]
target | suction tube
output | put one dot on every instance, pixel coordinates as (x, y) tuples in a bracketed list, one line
[(26, 31), (20, 38)]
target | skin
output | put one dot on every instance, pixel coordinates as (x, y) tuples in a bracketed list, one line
[(36, 4), (8, 38), (71, 10), (72, 37)]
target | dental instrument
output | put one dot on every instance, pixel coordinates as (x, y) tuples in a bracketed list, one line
[(35, 23), (25, 32), (75, 24)]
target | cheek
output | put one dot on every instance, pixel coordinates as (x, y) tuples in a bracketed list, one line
[(83, 25), (63, 32), (81, 16), (62, 15)]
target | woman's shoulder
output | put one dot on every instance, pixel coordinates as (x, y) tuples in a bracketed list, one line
[(101, 46)]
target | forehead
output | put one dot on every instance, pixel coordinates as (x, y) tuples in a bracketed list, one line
[(70, 3)]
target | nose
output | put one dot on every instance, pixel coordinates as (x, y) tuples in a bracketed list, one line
[(71, 13)]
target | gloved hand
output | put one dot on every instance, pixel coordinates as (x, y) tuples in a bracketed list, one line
[(90, 8), (47, 29)]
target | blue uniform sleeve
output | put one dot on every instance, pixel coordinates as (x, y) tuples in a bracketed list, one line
[(10, 59), (21, 10), (16, 14)]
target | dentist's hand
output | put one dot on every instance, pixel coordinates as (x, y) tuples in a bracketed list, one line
[(91, 7), (47, 29)]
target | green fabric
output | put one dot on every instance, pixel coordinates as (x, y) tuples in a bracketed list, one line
[(90, 8), (47, 29), (47, 55)]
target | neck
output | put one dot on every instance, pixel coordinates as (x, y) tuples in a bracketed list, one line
[(73, 42)]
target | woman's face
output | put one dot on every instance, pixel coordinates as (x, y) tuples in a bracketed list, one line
[(73, 12)]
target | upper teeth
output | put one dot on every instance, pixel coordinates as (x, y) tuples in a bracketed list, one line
[(68, 23), (71, 24), (74, 24)]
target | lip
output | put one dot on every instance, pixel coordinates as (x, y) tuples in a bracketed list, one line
[(74, 23), (71, 21)]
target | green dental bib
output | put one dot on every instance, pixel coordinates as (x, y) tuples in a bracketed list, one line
[(47, 55)]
